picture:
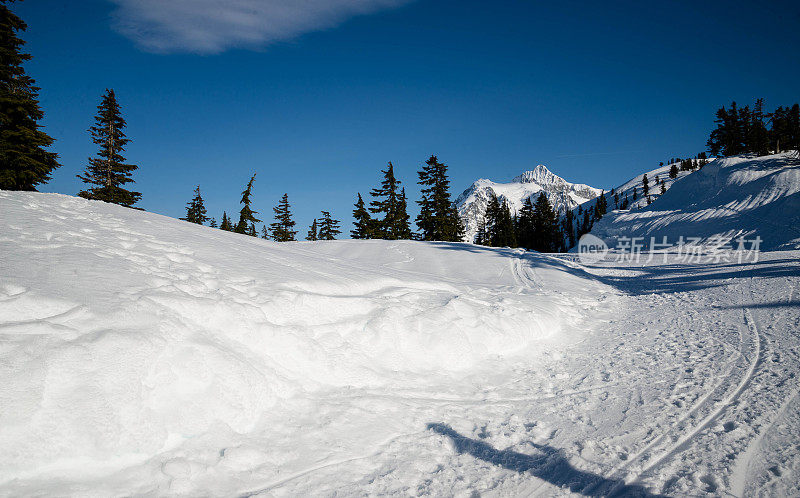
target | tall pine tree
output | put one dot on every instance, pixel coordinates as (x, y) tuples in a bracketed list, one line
[(195, 209), (282, 228), (107, 172), (438, 218), (247, 216), (403, 221), (24, 162), (362, 226), (386, 204), (547, 236)]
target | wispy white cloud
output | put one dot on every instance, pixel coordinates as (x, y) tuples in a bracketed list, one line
[(212, 26)]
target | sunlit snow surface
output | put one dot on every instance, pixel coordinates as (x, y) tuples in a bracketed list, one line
[(141, 355)]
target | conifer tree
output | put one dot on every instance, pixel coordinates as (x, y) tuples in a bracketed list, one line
[(403, 228), (386, 205), (438, 218), (264, 232), (568, 226), (645, 184), (547, 237), (362, 226), (525, 225), (673, 171), (251, 230), (212, 223), (24, 162), (329, 227), (481, 235), (195, 209), (663, 188), (225, 224), (282, 228), (246, 215), (635, 194), (107, 172), (312, 231)]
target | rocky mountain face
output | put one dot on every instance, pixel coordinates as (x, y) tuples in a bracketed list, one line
[(562, 195)]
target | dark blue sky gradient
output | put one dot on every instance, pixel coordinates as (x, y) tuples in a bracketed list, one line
[(597, 91)]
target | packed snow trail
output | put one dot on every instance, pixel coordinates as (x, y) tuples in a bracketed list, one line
[(141, 355)]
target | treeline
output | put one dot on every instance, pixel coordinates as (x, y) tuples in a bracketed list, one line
[(536, 226), (742, 130), (386, 216)]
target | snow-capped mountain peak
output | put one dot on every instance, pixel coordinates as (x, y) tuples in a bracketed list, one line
[(540, 174), (562, 195)]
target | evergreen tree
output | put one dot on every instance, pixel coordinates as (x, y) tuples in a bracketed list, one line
[(246, 215), (329, 227), (547, 236), (673, 171), (386, 203), (312, 231), (663, 188), (481, 235), (601, 206), (438, 218), (525, 225), (616, 200), (24, 162), (226, 223), (645, 185), (282, 228), (212, 223), (107, 172), (403, 220), (568, 226), (635, 194), (362, 226), (625, 203), (251, 230), (195, 209), (264, 232)]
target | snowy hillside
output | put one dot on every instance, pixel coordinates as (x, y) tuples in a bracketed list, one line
[(146, 356), (132, 339), (563, 195), (731, 197)]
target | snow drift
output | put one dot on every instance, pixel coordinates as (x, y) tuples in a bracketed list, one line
[(742, 196), (128, 335)]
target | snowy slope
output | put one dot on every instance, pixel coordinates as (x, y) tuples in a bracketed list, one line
[(729, 197), (145, 356), (562, 195), (130, 340)]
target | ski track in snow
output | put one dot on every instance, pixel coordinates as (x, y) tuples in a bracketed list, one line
[(208, 363)]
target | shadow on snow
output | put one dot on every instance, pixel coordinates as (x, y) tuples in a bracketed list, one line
[(550, 465)]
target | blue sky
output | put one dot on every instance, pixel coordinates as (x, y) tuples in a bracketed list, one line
[(317, 100)]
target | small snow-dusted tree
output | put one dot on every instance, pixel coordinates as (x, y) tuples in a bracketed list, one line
[(645, 185), (663, 188), (312, 231), (328, 227), (225, 224), (282, 227), (107, 172), (195, 209), (24, 161), (246, 215)]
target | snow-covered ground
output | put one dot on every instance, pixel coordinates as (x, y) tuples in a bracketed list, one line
[(741, 196), (141, 355)]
